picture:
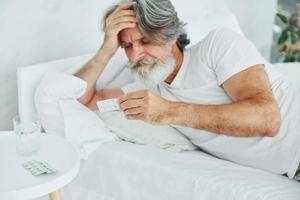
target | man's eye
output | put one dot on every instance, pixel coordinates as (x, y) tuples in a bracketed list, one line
[(125, 46)]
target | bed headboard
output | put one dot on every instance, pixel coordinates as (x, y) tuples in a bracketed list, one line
[(29, 77)]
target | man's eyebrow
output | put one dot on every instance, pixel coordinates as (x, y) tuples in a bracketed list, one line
[(139, 39), (123, 42), (142, 38)]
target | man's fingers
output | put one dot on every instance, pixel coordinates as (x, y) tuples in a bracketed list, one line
[(121, 23), (138, 94), (135, 117), (120, 19), (124, 19), (124, 6), (124, 25), (133, 111), (132, 95), (123, 13), (132, 103)]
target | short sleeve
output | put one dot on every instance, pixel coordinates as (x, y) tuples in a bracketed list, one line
[(228, 53)]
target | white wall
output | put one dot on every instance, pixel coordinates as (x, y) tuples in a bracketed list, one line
[(36, 31), (256, 19)]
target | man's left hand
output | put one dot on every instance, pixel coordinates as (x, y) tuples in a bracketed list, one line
[(145, 105)]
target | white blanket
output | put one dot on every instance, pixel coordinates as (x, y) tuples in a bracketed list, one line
[(127, 171)]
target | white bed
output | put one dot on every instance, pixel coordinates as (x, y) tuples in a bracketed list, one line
[(126, 171)]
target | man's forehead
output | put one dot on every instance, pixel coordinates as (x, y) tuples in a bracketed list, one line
[(130, 34)]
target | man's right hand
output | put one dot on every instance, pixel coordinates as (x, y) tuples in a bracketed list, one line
[(120, 19)]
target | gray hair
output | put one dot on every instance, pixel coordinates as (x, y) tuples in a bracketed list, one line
[(157, 20)]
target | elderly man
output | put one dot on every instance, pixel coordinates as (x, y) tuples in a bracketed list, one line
[(220, 93)]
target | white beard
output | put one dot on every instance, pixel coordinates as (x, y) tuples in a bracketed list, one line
[(152, 72)]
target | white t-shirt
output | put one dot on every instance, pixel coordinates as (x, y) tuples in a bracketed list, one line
[(206, 65)]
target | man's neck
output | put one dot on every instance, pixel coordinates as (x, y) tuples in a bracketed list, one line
[(178, 55)]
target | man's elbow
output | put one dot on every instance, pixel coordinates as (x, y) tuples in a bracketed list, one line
[(87, 97), (272, 123), (84, 100)]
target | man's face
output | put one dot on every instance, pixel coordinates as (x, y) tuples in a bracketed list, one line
[(151, 62)]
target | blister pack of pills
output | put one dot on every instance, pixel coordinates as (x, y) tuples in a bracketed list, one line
[(108, 105), (37, 168)]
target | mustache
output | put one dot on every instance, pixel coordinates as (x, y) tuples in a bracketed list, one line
[(144, 63)]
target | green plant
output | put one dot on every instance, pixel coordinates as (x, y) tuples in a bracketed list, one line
[(289, 40)]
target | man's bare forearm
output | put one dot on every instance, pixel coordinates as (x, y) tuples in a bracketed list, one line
[(247, 118), (90, 73), (121, 18)]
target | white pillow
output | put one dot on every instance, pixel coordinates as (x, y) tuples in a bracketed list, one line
[(137, 131), (60, 112), (202, 16), (53, 87)]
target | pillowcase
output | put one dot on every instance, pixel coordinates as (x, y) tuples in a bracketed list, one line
[(60, 113), (139, 132), (204, 17), (53, 87)]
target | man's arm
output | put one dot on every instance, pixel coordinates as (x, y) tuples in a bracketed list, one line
[(254, 111), (121, 18), (90, 73), (103, 94)]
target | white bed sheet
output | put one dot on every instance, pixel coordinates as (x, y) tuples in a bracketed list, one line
[(126, 171)]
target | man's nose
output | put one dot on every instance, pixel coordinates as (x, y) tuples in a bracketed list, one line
[(138, 52)]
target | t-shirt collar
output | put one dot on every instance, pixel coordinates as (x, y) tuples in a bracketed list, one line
[(180, 74)]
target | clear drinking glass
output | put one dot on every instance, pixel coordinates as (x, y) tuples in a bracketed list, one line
[(27, 136)]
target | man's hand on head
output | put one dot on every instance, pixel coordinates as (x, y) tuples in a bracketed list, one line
[(121, 18), (145, 105)]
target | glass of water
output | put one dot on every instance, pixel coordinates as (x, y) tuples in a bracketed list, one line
[(27, 136)]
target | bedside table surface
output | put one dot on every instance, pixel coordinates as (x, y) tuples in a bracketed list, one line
[(18, 183)]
